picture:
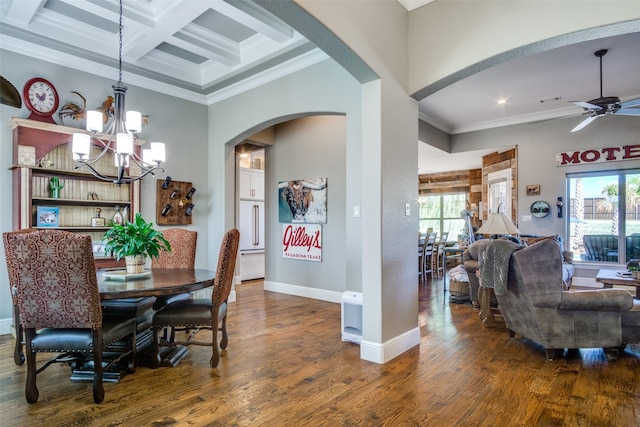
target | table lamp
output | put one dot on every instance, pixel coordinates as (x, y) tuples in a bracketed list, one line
[(498, 223)]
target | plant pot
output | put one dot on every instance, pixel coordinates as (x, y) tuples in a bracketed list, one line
[(135, 263), (635, 274)]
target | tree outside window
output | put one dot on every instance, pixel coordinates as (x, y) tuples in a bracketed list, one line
[(442, 213)]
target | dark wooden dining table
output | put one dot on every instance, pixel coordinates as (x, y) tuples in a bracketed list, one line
[(161, 282)]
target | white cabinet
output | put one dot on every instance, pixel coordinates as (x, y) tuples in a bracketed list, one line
[(251, 184)]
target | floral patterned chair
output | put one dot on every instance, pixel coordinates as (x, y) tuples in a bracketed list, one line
[(182, 255), (183, 249), (12, 270), (202, 313), (59, 304)]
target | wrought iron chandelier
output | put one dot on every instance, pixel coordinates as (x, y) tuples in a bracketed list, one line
[(122, 132)]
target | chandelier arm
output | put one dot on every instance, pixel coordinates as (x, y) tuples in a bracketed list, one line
[(107, 147), (137, 178), (93, 171)]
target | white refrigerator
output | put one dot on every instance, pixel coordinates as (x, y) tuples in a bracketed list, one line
[(251, 239)]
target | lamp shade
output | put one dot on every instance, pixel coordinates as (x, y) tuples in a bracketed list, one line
[(81, 145), (94, 121), (498, 223)]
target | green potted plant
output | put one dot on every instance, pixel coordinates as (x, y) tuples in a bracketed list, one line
[(134, 241), (634, 272)]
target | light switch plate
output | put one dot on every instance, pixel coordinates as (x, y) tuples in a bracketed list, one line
[(356, 211), (526, 217), (407, 209)]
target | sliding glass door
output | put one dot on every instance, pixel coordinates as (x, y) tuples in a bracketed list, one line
[(604, 216)]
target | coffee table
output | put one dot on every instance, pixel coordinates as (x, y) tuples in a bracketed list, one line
[(611, 277)]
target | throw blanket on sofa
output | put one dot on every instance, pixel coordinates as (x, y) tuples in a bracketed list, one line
[(494, 265)]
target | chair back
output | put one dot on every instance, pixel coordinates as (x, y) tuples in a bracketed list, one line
[(183, 249), (12, 268), (57, 285), (226, 267)]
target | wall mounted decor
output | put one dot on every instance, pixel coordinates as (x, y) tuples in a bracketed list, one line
[(303, 201), (540, 209), (559, 205), (174, 202), (533, 190)]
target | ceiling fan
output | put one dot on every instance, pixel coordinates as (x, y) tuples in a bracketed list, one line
[(605, 104)]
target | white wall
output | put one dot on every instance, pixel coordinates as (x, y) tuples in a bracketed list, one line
[(182, 125)]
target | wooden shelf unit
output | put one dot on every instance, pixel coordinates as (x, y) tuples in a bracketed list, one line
[(36, 143)]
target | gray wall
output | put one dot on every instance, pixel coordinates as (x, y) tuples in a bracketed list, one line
[(326, 88), (181, 125), (537, 146), (312, 147)]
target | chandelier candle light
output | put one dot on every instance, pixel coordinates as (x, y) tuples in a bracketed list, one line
[(123, 131)]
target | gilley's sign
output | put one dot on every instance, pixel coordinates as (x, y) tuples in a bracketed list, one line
[(598, 155), (302, 241)]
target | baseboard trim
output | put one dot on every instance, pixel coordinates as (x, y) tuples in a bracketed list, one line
[(303, 291), (382, 353)]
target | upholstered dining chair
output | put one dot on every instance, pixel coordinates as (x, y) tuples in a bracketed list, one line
[(12, 270), (59, 305), (202, 313), (183, 249), (182, 255)]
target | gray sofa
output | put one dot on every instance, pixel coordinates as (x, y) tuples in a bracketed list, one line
[(536, 306), (470, 261)]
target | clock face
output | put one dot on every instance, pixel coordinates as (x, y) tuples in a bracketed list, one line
[(41, 97)]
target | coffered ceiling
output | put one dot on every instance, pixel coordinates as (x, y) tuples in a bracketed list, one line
[(198, 50)]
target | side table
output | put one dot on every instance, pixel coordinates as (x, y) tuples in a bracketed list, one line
[(491, 316)]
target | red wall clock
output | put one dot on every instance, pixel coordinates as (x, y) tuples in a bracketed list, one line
[(41, 98)]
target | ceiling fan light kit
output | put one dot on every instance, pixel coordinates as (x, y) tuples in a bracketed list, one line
[(605, 104)]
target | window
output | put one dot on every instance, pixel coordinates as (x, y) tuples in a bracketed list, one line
[(499, 192), (604, 216), (442, 212)]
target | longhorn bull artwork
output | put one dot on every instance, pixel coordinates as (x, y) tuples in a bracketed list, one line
[(303, 201)]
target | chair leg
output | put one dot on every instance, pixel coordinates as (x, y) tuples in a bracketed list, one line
[(31, 390), (98, 388), (225, 338), (18, 355), (155, 350), (215, 356)]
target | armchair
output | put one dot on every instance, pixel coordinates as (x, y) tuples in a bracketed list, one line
[(471, 256), (59, 304), (536, 306)]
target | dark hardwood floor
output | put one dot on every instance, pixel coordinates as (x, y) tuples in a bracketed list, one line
[(287, 366)]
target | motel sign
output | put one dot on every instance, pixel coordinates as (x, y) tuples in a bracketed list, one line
[(598, 155)]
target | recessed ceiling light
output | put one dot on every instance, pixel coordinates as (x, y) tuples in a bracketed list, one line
[(502, 101)]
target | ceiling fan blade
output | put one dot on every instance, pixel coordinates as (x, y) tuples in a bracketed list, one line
[(628, 112), (586, 105), (584, 123), (630, 103)]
